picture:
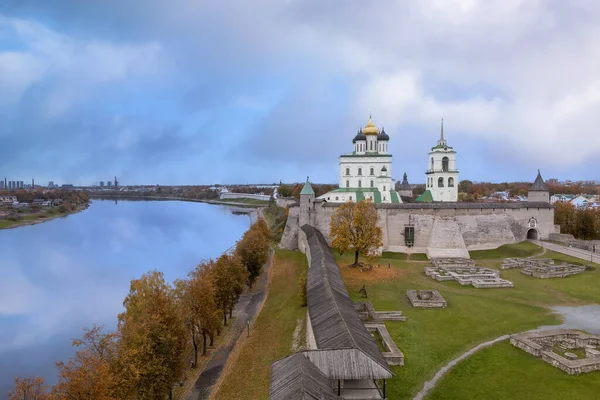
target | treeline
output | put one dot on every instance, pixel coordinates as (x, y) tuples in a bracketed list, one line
[(582, 223), (293, 190), (159, 327), (75, 197)]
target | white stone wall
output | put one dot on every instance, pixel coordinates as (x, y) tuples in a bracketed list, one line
[(229, 195), (480, 228)]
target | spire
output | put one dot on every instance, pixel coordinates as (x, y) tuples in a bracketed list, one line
[(442, 141), (442, 134), (539, 184)]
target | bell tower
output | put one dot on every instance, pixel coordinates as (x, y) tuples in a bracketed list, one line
[(442, 175)]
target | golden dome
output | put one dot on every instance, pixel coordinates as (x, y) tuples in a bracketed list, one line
[(370, 128)]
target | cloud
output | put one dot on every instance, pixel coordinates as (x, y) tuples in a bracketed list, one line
[(516, 78)]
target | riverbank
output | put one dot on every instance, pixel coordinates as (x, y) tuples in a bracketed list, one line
[(33, 219), (244, 204)]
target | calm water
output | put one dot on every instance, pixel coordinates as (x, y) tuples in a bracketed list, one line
[(62, 275)]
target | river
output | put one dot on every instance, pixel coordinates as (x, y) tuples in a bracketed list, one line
[(60, 276)]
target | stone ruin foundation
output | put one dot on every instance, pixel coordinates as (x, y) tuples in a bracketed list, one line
[(542, 268), (373, 321), (465, 272), (571, 351), (426, 299)]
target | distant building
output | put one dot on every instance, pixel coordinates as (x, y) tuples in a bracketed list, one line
[(101, 184), (8, 199), (51, 185), (41, 203), (67, 187)]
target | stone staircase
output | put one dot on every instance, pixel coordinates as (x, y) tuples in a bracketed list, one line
[(445, 240)]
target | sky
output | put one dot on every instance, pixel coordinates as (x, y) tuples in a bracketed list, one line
[(237, 91)]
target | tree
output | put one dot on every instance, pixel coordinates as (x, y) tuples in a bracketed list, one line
[(354, 228), (284, 191), (197, 297), (29, 389), (229, 276), (153, 342), (88, 374), (253, 249)]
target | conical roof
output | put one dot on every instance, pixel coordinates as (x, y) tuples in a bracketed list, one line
[(307, 189), (539, 185), (426, 197)]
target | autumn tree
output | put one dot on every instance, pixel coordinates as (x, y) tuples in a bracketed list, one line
[(197, 297), (29, 389), (229, 277), (88, 375), (253, 249), (354, 227), (153, 340)]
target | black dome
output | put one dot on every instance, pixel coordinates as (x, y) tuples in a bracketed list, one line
[(382, 135), (359, 136)]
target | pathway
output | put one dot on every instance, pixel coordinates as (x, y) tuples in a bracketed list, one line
[(245, 310), (429, 385), (570, 251)]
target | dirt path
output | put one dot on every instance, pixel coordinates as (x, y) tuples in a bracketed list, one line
[(429, 385), (570, 251), (246, 309)]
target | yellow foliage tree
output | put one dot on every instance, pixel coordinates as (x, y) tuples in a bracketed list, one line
[(88, 374), (153, 340), (29, 389), (354, 227)]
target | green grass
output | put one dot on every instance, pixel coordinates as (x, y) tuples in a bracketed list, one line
[(505, 372), (523, 249), (247, 373), (431, 338)]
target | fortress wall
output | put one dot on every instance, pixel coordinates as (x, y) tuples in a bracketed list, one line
[(481, 228), (289, 239)]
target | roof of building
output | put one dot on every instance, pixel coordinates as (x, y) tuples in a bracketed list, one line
[(334, 320), (405, 185), (539, 185), (370, 128), (426, 197), (368, 154), (359, 136), (307, 189), (382, 135), (296, 377)]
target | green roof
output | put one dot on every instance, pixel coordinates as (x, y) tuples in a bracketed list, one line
[(353, 154), (307, 189), (359, 196), (426, 197), (394, 196)]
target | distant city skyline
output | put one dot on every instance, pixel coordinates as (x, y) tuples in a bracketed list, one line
[(157, 97)]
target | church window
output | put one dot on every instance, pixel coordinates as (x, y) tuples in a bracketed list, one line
[(371, 145), (337, 198), (450, 182), (347, 171), (372, 171), (359, 183), (384, 188), (432, 163), (441, 182), (350, 198), (372, 184), (445, 164), (347, 183), (383, 198), (360, 171)]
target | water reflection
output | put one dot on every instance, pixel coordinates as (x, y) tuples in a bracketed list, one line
[(60, 276)]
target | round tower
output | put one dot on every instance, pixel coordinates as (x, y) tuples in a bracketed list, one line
[(307, 199)]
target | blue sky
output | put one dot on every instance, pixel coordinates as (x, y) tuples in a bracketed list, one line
[(199, 92)]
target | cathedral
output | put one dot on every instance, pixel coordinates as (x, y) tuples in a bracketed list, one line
[(366, 172), (435, 223)]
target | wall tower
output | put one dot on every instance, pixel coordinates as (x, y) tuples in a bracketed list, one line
[(539, 192), (307, 199)]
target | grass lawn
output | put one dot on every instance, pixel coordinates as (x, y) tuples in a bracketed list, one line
[(247, 373), (505, 372), (431, 338), (523, 249)]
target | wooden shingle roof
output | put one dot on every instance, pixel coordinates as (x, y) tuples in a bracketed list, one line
[(335, 322)]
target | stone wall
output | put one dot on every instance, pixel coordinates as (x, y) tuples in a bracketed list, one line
[(229, 195), (480, 227), (565, 238)]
